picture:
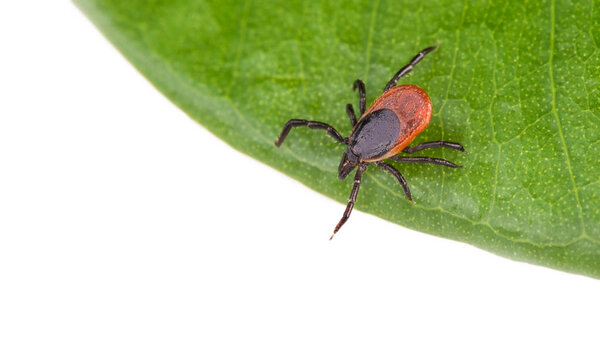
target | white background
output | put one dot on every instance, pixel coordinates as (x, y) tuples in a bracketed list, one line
[(120, 216)]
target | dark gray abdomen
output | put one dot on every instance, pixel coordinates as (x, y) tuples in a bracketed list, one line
[(375, 134)]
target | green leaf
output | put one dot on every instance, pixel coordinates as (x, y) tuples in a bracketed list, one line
[(517, 83)]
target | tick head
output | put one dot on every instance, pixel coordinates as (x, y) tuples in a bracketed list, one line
[(348, 163)]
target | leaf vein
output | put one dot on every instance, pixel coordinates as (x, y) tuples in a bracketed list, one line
[(238, 54), (450, 78), (555, 113), (370, 39)]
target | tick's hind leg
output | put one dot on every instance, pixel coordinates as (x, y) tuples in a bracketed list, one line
[(398, 176), (357, 177), (311, 125), (426, 160), (407, 68), (429, 145)]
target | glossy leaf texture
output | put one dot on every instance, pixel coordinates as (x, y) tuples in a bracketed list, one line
[(518, 83)]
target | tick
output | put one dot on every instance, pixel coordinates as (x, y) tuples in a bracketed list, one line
[(383, 131)]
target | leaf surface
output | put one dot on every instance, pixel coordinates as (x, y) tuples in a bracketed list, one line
[(518, 84)]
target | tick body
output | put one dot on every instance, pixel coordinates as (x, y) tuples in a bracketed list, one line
[(391, 123), (382, 132)]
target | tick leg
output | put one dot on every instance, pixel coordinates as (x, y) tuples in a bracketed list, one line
[(407, 68), (429, 145), (428, 160), (398, 176), (363, 95), (311, 125), (357, 177), (351, 115)]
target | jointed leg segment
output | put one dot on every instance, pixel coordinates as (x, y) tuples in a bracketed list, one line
[(357, 178), (311, 125), (351, 115), (407, 68), (398, 176), (360, 85), (429, 145), (426, 160)]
